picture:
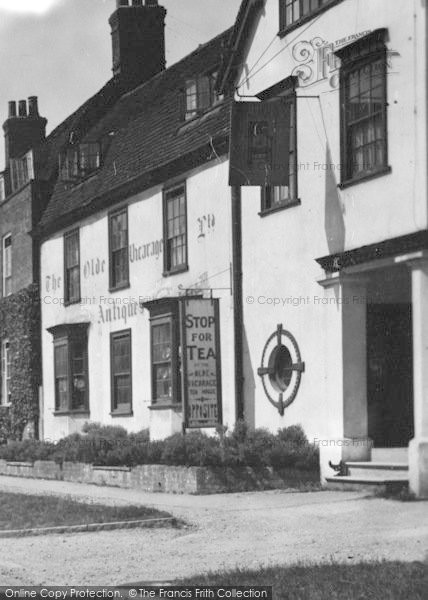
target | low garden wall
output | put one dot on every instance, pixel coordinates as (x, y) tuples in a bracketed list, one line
[(164, 478)]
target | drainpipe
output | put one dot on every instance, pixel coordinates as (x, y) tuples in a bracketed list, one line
[(238, 313)]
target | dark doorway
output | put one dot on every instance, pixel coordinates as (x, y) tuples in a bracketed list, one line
[(390, 374)]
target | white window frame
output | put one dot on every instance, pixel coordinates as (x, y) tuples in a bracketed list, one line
[(7, 265), (2, 189), (5, 373)]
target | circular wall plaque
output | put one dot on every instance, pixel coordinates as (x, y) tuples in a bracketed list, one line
[(281, 369)]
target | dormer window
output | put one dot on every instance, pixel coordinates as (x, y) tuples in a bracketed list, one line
[(79, 160), (200, 95), (21, 171)]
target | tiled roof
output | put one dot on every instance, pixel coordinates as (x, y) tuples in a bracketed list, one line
[(143, 136)]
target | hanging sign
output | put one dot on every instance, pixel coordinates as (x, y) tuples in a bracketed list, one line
[(201, 371), (260, 143)]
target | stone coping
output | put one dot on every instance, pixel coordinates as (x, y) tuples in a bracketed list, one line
[(157, 522)]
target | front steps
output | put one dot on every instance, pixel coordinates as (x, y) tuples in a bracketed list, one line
[(372, 477)]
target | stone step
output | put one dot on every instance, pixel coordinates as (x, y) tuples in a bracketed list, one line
[(387, 455), (377, 470), (370, 485)]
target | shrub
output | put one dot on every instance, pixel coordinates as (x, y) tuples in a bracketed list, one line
[(293, 435), (174, 450), (27, 451), (114, 446), (256, 448)]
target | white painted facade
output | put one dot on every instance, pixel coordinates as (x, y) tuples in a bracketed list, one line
[(209, 257), (282, 283), (280, 249)]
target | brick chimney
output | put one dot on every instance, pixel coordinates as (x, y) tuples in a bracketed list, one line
[(24, 130), (138, 37)]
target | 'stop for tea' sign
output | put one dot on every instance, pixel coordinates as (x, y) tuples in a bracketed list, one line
[(201, 362)]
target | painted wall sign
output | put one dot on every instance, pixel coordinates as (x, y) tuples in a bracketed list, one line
[(144, 251), (317, 61), (97, 266), (52, 283), (119, 309), (94, 266), (260, 143), (206, 224), (201, 362)]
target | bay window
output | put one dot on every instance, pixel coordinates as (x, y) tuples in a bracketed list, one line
[(71, 368)]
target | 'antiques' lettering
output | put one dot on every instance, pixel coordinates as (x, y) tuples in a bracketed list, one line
[(118, 312)]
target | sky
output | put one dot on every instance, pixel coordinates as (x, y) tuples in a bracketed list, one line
[(60, 50)]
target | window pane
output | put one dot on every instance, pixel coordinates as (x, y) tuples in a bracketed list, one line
[(121, 370), (72, 266), (61, 377), (204, 93), (162, 361), (175, 228), (119, 230), (7, 265), (119, 259), (191, 98), (163, 382), (296, 10), (365, 114), (306, 6)]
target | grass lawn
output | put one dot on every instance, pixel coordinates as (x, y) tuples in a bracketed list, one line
[(365, 581), (22, 511)]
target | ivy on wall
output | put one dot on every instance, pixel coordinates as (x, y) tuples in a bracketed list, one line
[(20, 324)]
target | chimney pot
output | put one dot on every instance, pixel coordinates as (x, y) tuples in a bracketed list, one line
[(12, 108), (22, 108), (33, 109)]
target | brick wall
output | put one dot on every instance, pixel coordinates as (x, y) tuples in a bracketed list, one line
[(16, 219)]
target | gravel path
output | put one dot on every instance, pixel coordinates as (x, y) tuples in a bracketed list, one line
[(224, 531)]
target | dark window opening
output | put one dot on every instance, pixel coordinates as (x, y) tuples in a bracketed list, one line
[(119, 251), (79, 160), (364, 108), (71, 368), (121, 372), (72, 266), (294, 11), (276, 197), (165, 352), (175, 229), (200, 95)]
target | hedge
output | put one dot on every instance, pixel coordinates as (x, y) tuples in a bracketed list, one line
[(114, 446)]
